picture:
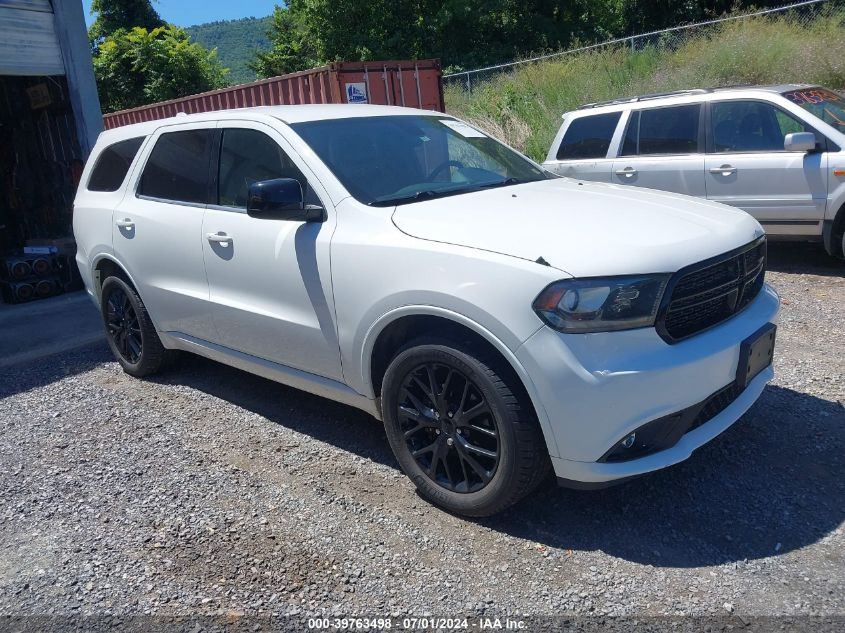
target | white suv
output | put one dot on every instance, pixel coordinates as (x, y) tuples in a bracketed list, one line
[(498, 319), (776, 152)]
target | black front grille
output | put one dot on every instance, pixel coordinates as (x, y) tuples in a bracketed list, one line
[(705, 294)]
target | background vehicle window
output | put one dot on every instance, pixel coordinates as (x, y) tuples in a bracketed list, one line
[(750, 126), (825, 104), (669, 130), (789, 125), (113, 164), (248, 156), (178, 167), (588, 137)]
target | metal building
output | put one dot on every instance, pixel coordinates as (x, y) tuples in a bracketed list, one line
[(49, 118)]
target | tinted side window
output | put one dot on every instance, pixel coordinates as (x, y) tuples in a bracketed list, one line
[(248, 156), (671, 130), (750, 126), (113, 164), (588, 137), (178, 167)]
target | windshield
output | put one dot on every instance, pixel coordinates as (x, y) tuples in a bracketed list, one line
[(389, 160), (826, 105)]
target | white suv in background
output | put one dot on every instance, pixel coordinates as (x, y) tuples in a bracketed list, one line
[(775, 151), (498, 319)]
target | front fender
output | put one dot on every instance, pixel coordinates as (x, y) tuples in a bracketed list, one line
[(372, 334), (836, 200)]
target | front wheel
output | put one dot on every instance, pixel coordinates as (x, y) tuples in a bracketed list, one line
[(461, 428), (130, 333)]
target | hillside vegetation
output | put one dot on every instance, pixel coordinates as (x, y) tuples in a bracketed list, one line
[(524, 107), (464, 33), (236, 42)]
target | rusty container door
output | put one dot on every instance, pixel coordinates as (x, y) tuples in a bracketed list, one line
[(412, 84)]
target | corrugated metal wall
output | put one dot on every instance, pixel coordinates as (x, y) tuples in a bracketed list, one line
[(415, 84), (29, 45)]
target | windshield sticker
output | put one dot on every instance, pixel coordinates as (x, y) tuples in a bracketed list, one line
[(813, 97), (463, 129)]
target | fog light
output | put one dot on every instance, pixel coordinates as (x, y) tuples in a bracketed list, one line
[(628, 442)]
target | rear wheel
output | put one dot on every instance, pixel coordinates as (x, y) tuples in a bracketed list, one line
[(130, 332), (462, 428)]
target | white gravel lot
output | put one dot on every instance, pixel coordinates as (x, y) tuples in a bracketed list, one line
[(211, 491)]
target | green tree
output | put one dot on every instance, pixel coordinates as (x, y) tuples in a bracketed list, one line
[(138, 66), (114, 15), (462, 33), (651, 15), (292, 47)]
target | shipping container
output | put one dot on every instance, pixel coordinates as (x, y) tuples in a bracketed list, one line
[(415, 84)]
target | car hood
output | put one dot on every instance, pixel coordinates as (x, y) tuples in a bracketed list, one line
[(582, 228)]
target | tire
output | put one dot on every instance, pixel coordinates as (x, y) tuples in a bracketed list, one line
[(130, 332), (490, 412)]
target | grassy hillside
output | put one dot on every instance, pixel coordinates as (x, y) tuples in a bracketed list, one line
[(236, 42), (524, 107)]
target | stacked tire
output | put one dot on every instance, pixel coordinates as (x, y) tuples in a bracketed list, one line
[(30, 277)]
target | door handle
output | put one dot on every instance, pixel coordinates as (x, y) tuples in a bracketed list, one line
[(218, 238), (724, 170), (627, 172), (125, 223)]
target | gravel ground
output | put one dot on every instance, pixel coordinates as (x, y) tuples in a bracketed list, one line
[(211, 491)]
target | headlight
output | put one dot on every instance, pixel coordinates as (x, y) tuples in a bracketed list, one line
[(601, 304)]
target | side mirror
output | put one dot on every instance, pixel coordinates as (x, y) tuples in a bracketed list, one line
[(800, 142), (281, 199)]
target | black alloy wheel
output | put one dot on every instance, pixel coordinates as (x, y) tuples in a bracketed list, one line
[(449, 428), (130, 332), (461, 426), (123, 326)]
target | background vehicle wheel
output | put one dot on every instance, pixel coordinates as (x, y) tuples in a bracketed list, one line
[(130, 332), (461, 427)]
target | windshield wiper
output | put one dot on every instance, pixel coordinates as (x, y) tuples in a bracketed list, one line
[(427, 194), (501, 183)]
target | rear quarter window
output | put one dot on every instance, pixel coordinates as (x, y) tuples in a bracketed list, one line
[(113, 164), (588, 136)]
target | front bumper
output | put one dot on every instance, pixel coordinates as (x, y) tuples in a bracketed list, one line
[(597, 388)]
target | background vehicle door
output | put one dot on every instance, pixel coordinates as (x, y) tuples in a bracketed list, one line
[(663, 148), (157, 227), (747, 166), (270, 280), (583, 150)]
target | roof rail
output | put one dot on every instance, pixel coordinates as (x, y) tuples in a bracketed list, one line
[(656, 95)]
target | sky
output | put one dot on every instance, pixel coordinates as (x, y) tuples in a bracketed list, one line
[(190, 12)]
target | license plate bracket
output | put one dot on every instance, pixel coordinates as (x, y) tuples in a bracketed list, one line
[(755, 354)]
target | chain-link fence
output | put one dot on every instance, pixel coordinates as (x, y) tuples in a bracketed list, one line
[(669, 38)]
